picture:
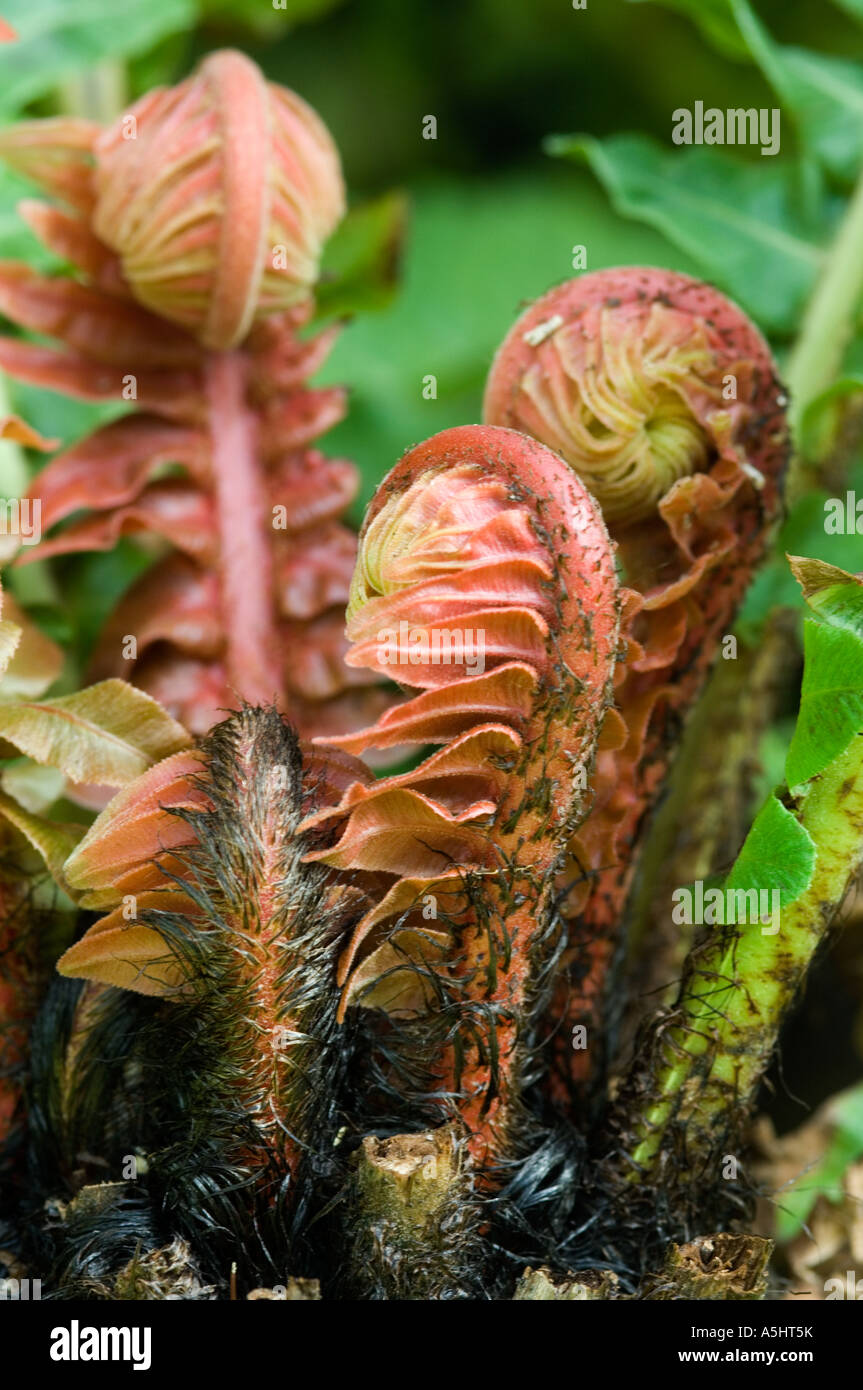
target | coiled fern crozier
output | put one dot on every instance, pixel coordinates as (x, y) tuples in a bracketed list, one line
[(195, 224), (663, 397)]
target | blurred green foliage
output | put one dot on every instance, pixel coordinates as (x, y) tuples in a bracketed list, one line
[(474, 255), (58, 40), (742, 222), (826, 1177)]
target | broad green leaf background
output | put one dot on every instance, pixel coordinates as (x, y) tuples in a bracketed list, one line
[(458, 295), (738, 221)]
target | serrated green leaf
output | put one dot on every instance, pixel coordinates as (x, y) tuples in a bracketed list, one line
[(738, 221), (360, 266), (52, 841), (778, 853), (107, 734), (831, 701), (57, 39)]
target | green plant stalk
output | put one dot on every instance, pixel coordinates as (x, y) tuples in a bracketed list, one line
[(707, 1066), (817, 354), (709, 807)]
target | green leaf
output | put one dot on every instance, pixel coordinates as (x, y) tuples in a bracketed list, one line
[(34, 787), (738, 221), (57, 39), (831, 701), (824, 93), (831, 592), (360, 266), (778, 853), (844, 1147), (715, 21), (107, 734), (52, 841)]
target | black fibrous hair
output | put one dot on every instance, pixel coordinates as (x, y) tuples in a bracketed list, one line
[(486, 1234), (231, 1091)]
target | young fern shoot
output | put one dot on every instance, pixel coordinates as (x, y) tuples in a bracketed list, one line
[(196, 224), (215, 912), (664, 399), (485, 583)]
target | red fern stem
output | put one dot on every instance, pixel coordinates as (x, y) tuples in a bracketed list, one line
[(211, 907), (246, 569)]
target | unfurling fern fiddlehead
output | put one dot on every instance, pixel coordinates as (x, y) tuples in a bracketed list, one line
[(196, 224), (486, 583), (664, 399)]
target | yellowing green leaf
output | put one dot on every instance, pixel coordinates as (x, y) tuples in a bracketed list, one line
[(10, 636), (33, 787), (36, 662), (53, 841), (834, 594), (109, 733)]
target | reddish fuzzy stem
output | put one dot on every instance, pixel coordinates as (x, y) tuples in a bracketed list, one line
[(246, 573), (252, 943)]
